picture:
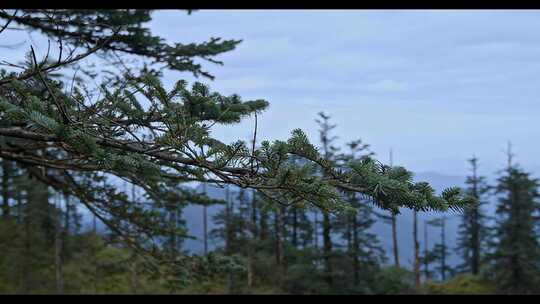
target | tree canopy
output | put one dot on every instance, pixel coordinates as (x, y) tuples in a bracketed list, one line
[(78, 136)]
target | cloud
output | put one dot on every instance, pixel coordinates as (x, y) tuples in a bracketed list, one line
[(437, 84), (387, 85)]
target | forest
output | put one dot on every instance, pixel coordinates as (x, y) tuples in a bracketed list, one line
[(100, 158)]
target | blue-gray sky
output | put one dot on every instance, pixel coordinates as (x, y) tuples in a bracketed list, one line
[(436, 86)]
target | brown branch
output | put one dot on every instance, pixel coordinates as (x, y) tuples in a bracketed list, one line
[(220, 171), (253, 144), (9, 21), (60, 107)]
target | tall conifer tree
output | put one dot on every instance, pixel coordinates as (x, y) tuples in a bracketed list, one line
[(516, 256), (472, 229)]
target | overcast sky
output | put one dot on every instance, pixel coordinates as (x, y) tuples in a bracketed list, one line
[(436, 86)]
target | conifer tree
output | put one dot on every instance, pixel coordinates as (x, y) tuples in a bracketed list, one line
[(516, 256), (39, 234), (472, 229), (363, 247), (299, 227), (440, 251), (298, 224), (329, 153)]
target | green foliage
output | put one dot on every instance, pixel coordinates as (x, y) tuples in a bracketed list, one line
[(394, 280), (461, 284), (515, 259), (91, 26), (473, 230)]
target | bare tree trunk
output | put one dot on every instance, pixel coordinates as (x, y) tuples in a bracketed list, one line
[(394, 241), (67, 220), (133, 265), (443, 253), (327, 248), (19, 207), (348, 233), (327, 240), (58, 247), (416, 251), (228, 236), (394, 225), (255, 230), (250, 267), (475, 265), (65, 230), (475, 259), (279, 237), (283, 238), (205, 224), (426, 261), (173, 220), (251, 249), (6, 171), (227, 220), (356, 262), (295, 228), (26, 259), (263, 224), (316, 230)]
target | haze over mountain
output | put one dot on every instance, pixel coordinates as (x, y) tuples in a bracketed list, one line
[(194, 221), (193, 216)]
